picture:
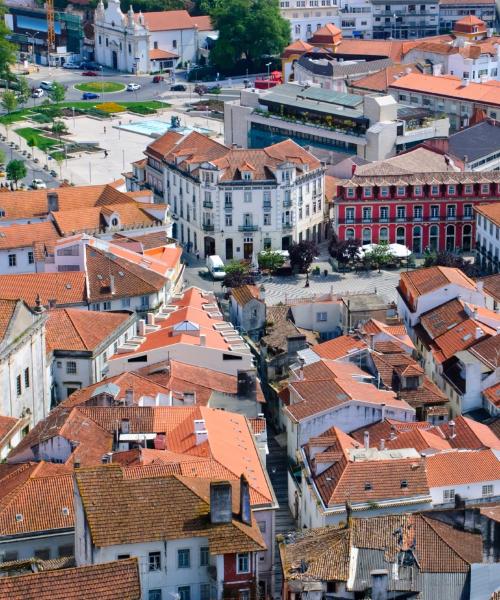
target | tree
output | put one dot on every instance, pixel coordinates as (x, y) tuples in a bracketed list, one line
[(301, 255), (270, 260), (7, 50), (343, 251), (9, 101), (24, 89), (379, 255), (16, 170), (248, 29), (449, 259), (237, 273), (57, 92), (59, 128)]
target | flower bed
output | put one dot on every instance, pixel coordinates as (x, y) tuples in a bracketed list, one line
[(110, 107)]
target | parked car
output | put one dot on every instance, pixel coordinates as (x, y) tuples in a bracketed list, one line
[(37, 93), (71, 65), (89, 74), (158, 78), (133, 87), (38, 184), (89, 96), (178, 87), (215, 89), (215, 266), (53, 173), (89, 64), (46, 85)]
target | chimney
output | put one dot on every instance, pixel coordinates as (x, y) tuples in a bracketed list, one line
[(453, 434), (381, 444), (52, 201), (125, 426), (151, 319), (142, 327), (392, 435), (372, 341), (203, 339), (245, 511), (76, 463), (465, 82), (301, 369), (480, 286), (160, 441), (380, 583), (221, 502), (107, 458), (382, 411), (366, 437), (112, 286), (129, 397), (479, 333)]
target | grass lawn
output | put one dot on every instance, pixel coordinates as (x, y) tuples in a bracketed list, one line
[(100, 86), (42, 142)]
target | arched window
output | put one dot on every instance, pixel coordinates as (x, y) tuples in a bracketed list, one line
[(115, 222), (434, 238), (383, 234), (349, 233), (367, 235), (450, 238), (400, 236), (417, 240), (467, 238)]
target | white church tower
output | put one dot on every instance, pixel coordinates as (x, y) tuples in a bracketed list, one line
[(121, 41)]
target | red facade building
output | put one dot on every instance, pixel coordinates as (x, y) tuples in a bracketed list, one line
[(424, 210)]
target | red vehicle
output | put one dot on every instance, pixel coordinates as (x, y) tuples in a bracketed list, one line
[(269, 82), (158, 78), (89, 74)]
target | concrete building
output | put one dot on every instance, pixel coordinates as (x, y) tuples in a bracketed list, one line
[(307, 16), (247, 310), (405, 20), (18, 243), (488, 237), (234, 202), (451, 11), (372, 127)]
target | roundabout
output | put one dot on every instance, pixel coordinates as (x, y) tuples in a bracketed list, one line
[(100, 87)]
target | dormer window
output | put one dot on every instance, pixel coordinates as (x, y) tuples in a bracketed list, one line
[(401, 190), (367, 192), (368, 486), (384, 192), (468, 189), (485, 188), (115, 222), (351, 192), (404, 484), (417, 190), (452, 190), (246, 175), (207, 176), (285, 176), (434, 190)]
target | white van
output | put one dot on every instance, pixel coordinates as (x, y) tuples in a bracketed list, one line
[(215, 267)]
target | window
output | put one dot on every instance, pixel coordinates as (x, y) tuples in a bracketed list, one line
[(349, 215), (71, 367), (204, 591), (434, 190), (384, 192), (401, 212), (19, 389), (367, 192), (417, 190), (31, 257), (184, 592), (243, 563), (123, 556), (129, 47), (401, 190), (262, 526), (114, 222), (229, 220), (320, 316), (174, 43), (26, 377), (144, 301), (106, 305), (267, 218), (451, 211), (351, 192), (367, 235), (154, 595), (488, 490), (42, 553), (246, 176), (468, 189), (204, 556), (485, 188), (452, 189), (384, 213), (243, 594), (247, 196), (383, 235), (434, 211), (125, 302), (400, 236), (349, 233), (467, 210), (448, 495), (12, 260), (184, 558), (107, 42), (417, 212), (367, 214), (154, 561)]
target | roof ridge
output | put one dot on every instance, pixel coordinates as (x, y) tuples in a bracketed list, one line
[(427, 520), (113, 258), (75, 328)]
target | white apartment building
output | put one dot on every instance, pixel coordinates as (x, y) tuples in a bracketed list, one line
[(307, 16), (488, 237), (236, 202), (356, 19), (400, 19)]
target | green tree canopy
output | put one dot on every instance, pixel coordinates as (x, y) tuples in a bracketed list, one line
[(59, 128), (9, 101), (58, 92), (237, 273), (7, 50), (248, 29), (380, 255), (270, 260), (302, 254), (16, 170), (24, 89), (343, 251)]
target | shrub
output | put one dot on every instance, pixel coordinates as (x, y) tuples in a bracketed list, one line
[(141, 109), (110, 107)]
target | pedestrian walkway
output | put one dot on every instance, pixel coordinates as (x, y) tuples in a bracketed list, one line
[(277, 469)]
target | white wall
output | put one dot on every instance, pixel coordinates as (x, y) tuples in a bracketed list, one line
[(26, 546), (305, 315), (469, 492), (22, 261)]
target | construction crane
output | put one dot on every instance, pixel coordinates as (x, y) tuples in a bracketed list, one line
[(51, 34)]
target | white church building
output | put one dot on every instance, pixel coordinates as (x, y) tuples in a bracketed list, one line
[(149, 42)]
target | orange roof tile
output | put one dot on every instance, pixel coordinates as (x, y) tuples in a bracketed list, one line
[(64, 288), (7, 309), (7, 426), (493, 394), (118, 580), (158, 54), (380, 81), (169, 20), (490, 212), (24, 235), (245, 293), (460, 467), (339, 347)]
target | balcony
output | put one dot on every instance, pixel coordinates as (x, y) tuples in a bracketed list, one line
[(384, 220), (248, 227), (401, 219), (208, 204), (367, 220), (228, 207), (287, 203), (435, 217), (266, 206), (451, 217), (418, 219), (287, 226), (208, 227), (468, 217)]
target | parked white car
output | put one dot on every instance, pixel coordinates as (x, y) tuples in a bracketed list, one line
[(46, 85), (38, 184), (37, 93), (133, 87)]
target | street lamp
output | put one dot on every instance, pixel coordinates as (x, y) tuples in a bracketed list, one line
[(32, 36), (268, 65)]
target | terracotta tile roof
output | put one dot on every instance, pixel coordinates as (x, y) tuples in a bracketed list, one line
[(65, 288), (460, 467), (135, 502), (330, 188), (7, 309), (381, 48), (490, 212), (448, 86), (423, 281), (202, 22), (487, 350), (339, 347), (24, 235), (118, 580), (184, 150), (82, 330), (245, 293), (7, 426), (258, 425), (462, 336), (492, 394), (169, 20), (470, 434), (492, 286), (379, 82), (297, 47), (155, 239), (158, 54), (443, 318)]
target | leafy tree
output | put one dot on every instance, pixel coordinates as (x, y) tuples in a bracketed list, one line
[(343, 251), (16, 170), (270, 260), (449, 259), (380, 255), (58, 92), (237, 273), (59, 128), (24, 89), (7, 50), (247, 29), (302, 254), (9, 101)]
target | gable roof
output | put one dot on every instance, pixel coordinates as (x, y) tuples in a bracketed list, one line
[(490, 212), (339, 347), (171, 20), (118, 580), (245, 294), (460, 467), (7, 309), (18, 235), (423, 281), (65, 288)]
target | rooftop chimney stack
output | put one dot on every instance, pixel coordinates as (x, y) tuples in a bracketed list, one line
[(112, 285), (245, 510), (453, 434), (141, 327), (366, 438), (221, 502), (392, 435), (479, 333), (381, 444), (203, 339), (151, 319), (52, 201), (76, 463)]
